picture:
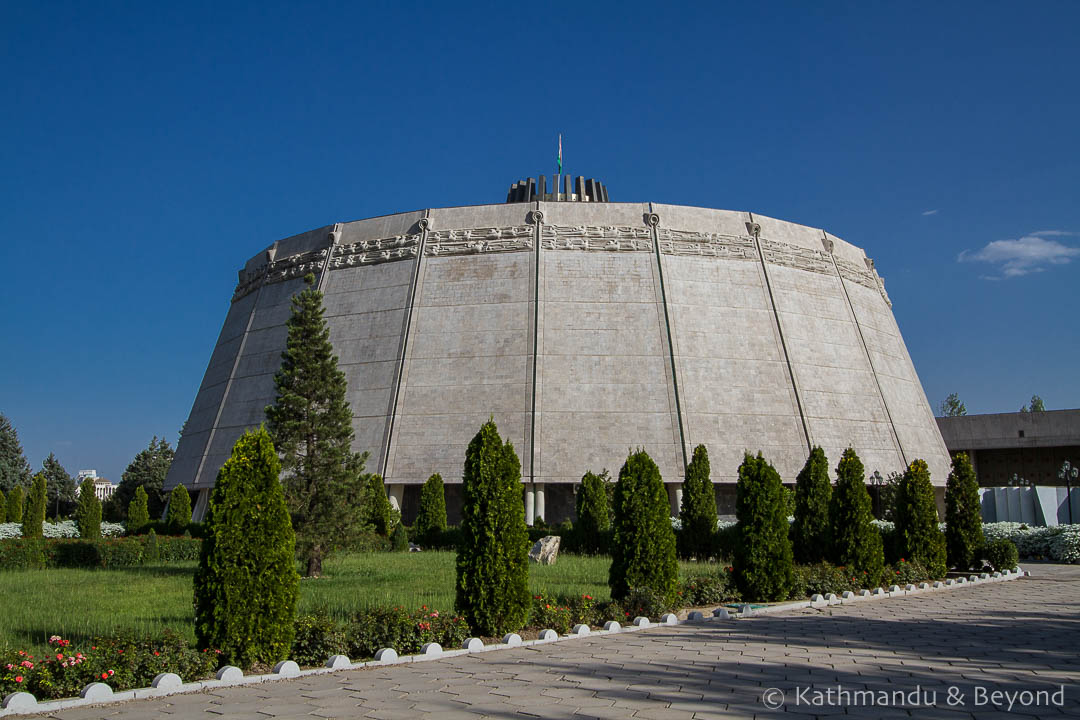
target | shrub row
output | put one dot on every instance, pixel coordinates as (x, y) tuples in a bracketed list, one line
[(62, 529), (22, 553), (1059, 544)]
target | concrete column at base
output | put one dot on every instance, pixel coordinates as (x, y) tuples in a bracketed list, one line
[(202, 502), (530, 505), (539, 501), (395, 492), (674, 491)]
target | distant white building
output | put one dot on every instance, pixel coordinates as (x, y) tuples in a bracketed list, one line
[(103, 489)]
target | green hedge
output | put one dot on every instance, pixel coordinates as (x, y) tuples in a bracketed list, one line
[(22, 553)]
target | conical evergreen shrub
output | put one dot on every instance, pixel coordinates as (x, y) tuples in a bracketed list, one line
[(34, 515), (963, 514), (764, 568), (917, 534), (15, 500), (178, 516), (593, 526), (3, 507), (643, 555), (88, 512), (246, 586), (431, 519), (698, 511), (856, 543), (377, 509), (493, 552), (810, 531)]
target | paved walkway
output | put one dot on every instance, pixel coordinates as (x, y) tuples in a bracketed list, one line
[(946, 652)]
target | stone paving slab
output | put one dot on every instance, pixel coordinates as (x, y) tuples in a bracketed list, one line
[(1002, 637)]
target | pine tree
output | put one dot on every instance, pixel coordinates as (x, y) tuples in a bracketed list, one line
[(3, 507), (138, 515), (643, 542), (698, 511), (431, 519), (15, 500), (963, 514), (310, 424), (35, 508), (763, 565), (14, 470), (147, 470), (88, 512), (593, 513), (856, 543), (377, 512), (493, 553), (178, 515), (246, 587), (917, 533), (810, 531), (61, 486)]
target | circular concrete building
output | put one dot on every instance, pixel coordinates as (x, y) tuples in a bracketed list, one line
[(586, 328)]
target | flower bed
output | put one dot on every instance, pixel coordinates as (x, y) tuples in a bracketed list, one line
[(62, 529)]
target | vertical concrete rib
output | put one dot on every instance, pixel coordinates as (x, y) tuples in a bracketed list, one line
[(538, 220), (397, 386), (780, 333), (654, 222), (869, 357)]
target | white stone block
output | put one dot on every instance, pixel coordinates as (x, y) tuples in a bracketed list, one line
[(548, 635), (938, 584), (19, 701), (997, 575), (642, 622), (878, 592), (848, 595), (580, 629), (669, 619), (386, 655), (287, 668), (431, 649), (474, 644), (721, 613), (96, 691), (230, 674), (512, 639), (924, 586), (864, 593), (746, 609), (337, 662), (695, 616), (894, 588), (909, 588), (984, 576), (962, 581), (612, 626), (831, 598), (816, 598), (166, 682)]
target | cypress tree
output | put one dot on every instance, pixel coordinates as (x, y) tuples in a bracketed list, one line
[(246, 587), (763, 565), (3, 507), (810, 531), (643, 542), (15, 502), (147, 470), (88, 512), (35, 508), (431, 519), (856, 543), (593, 513), (138, 515), (378, 513), (310, 424), (178, 516), (698, 511), (60, 485), (917, 533), (493, 554), (963, 514)]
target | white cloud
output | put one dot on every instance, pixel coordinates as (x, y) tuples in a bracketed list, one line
[(929, 212), (1023, 256)]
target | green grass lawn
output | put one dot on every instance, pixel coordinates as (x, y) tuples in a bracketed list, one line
[(79, 604)]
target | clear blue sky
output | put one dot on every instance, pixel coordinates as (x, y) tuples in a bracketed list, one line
[(149, 150)]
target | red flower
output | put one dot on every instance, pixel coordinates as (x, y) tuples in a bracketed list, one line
[(104, 676), (156, 652), (18, 678)]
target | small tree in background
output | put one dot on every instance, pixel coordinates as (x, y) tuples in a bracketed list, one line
[(147, 470), (856, 543), (15, 500), (763, 565), (3, 507), (643, 543), (698, 511), (952, 407), (378, 513), (246, 587), (593, 513), (431, 519), (1035, 406), (14, 470), (917, 533), (88, 512), (138, 515), (178, 516), (60, 485), (813, 491), (963, 514), (35, 508), (493, 554)]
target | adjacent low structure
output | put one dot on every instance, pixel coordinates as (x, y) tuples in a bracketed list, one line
[(586, 328)]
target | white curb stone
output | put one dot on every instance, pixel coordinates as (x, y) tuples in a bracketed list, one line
[(287, 668), (548, 635), (832, 599), (96, 691), (166, 682), (909, 588), (924, 586), (336, 662), (475, 644), (864, 593), (580, 629), (642, 622), (19, 701), (432, 648), (695, 616), (387, 655), (878, 592), (512, 639), (612, 626), (848, 595), (669, 619), (230, 674), (721, 613), (744, 609)]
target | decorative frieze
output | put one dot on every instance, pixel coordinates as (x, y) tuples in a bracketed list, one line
[(276, 271), (795, 256), (372, 252), (479, 240), (684, 242), (596, 237), (867, 277)]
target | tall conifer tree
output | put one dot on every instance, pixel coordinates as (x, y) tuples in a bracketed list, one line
[(14, 470), (60, 485), (178, 516), (698, 511), (917, 533), (763, 564), (810, 531), (138, 515), (35, 508), (963, 514), (856, 543), (310, 424), (15, 500), (88, 512), (431, 519), (593, 524)]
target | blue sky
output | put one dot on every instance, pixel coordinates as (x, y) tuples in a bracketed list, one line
[(149, 150)]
